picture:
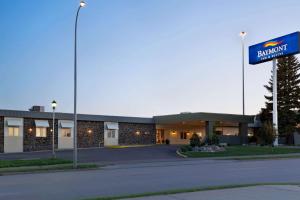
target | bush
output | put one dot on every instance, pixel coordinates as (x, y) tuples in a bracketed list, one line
[(252, 139), (167, 141), (195, 140), (212, 141), (186, 148), (266, 133)]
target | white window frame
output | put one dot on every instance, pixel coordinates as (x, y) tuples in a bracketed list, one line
[(41, 132), (66, 132), (111, 133), (15, 131)]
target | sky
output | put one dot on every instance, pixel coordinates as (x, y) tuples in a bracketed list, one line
[(138, 57)]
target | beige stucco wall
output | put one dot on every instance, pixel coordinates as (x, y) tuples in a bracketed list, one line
[(111, 141), (13, 144), (65, 142)]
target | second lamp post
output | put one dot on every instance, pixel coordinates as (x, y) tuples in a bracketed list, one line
[(54, 104)]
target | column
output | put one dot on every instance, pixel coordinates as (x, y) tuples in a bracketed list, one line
[(209, 129), (243, 132)]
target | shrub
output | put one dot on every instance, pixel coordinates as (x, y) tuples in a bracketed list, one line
[(167, 141), (186, 148), (212, 141), (266, 133), (195, 140)]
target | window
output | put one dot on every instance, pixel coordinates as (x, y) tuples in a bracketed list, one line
[(13, 131), (183, 135), (111, 133), (41, 132), (66, 132)]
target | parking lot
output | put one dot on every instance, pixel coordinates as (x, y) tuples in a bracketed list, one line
[(107, 155)]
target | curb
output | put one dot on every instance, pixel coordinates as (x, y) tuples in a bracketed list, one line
[(180, 154)]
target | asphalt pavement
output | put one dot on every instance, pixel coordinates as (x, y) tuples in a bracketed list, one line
[(124, 179), (106, 155)]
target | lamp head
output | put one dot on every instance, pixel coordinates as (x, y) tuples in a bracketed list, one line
[(82, 4), (243, 34), (54, 104)]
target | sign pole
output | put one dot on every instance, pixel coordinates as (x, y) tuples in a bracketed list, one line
[(275, 114)]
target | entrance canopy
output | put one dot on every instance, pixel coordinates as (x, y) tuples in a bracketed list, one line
[(178, 128), (200, 116)]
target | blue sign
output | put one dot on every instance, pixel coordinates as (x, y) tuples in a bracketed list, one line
[(278, 47)]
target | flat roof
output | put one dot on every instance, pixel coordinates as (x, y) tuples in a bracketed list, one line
[(80, 117), (163, 119), (202, 116)]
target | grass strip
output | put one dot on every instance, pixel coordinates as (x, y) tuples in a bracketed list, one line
[(267, 158), (178, 191), (32, 162), (26, 169), (243, 151)]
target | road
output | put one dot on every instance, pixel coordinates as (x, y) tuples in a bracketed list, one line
[(146, 177)]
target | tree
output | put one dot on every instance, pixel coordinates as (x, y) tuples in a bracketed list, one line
[(266, 133), (288, 95), (195, 140)]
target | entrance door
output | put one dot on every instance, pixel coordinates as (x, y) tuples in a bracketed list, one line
[(160, 136), (111, 133), (65, 134)]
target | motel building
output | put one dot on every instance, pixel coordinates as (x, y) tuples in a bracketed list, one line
[(25, 131)]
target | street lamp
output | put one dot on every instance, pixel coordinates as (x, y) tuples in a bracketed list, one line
[(243, 35), (81, 5), (54, 104)]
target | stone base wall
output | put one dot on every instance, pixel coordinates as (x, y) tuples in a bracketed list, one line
[(1, 134), (130, 133), (90, 134), (33, 143)]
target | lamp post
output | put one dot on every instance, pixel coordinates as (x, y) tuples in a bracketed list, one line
[(81, 5), (242, 35), (54, 104)]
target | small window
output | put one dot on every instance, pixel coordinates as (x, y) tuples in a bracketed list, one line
[(41, 132), (13, 131), (111, 133), (183, 135), (66, 132)]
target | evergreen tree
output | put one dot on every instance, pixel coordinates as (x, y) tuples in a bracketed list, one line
[(288, 95)]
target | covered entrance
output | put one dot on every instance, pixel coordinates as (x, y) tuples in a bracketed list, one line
[(178, 129)]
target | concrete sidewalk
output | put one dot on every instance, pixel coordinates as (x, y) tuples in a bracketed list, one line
[(274, 192)]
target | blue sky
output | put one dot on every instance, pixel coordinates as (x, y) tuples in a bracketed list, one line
[(137, 57)]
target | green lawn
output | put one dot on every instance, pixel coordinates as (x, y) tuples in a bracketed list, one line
[(34, 162), (244, 151)]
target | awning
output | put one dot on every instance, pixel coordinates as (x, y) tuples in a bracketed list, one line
[(41, 123), (14, 122), (66, 124), (112, 126)]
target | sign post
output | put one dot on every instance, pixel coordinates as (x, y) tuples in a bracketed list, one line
[(271, 50), (275, 115)]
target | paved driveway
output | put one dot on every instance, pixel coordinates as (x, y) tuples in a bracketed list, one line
[(108, 155)]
